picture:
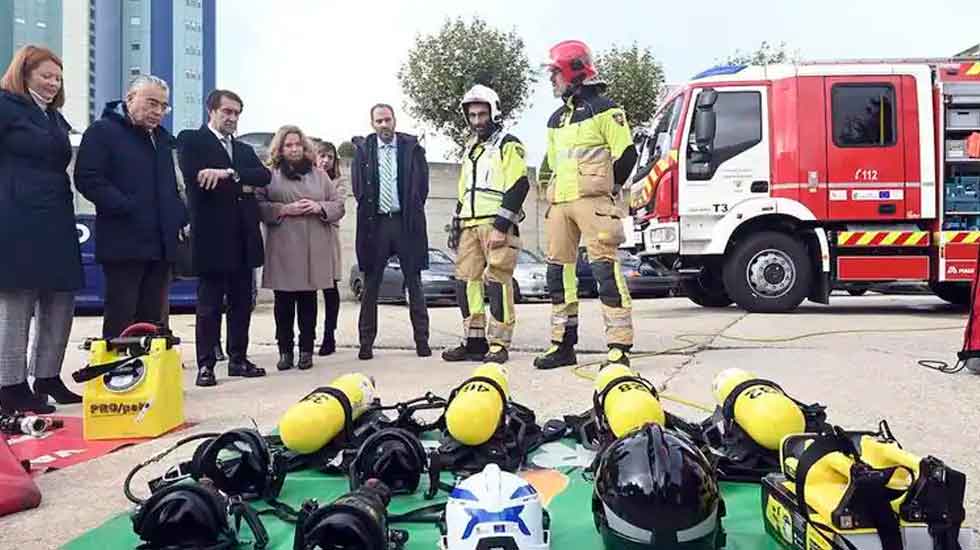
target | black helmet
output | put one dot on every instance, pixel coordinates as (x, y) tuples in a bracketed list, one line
[(655, 489), (393, 456)]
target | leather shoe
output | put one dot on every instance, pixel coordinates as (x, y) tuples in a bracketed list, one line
[(43, 387), (365, 353), (305, 360), (19, 398), (205, 377), (423, 349), (244, 368)]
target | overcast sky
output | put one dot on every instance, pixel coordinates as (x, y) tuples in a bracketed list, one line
[(322, 64)]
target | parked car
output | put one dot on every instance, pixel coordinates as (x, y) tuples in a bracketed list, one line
[(587, 286), (183, 290), (530, 277), (649, 279), (438, 282)]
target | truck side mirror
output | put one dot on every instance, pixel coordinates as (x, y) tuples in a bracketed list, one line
[(704, 120)]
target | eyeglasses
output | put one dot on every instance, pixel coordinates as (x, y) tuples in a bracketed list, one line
[(163, 107)]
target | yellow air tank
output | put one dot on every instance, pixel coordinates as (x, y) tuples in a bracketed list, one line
[(474, 413), (765, 413), (309, 425), (630, 404)]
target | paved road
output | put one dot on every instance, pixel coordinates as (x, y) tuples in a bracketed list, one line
[(862, 376)]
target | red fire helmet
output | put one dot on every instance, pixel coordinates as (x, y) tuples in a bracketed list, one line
[(573, 59)]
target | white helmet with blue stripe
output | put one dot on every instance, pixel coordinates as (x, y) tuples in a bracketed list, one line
[(495, 510)]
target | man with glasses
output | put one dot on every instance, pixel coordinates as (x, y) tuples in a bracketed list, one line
[(125, 167)]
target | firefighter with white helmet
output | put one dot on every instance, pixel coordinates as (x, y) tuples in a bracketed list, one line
[(590, 154), (492, 187)]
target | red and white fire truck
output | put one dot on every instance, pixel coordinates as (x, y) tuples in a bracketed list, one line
[(770, 185)]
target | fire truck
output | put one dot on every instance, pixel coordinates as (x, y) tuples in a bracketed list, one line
[(768, 185)]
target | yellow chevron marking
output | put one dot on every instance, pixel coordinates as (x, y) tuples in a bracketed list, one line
[(974, 70), (891, 238), (916, 237), (866, 238)]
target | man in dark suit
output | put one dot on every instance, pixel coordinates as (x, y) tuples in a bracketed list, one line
[(390, 180), (125, 167), (220, 174)]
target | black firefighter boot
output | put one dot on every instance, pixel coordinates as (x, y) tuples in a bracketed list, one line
[(473, 349), (497, 354), (618, 355), (558, 355)]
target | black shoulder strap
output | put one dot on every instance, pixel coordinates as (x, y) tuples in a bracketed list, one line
[(728, 407)]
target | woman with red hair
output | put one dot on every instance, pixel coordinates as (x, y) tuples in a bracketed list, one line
[(42, 265)]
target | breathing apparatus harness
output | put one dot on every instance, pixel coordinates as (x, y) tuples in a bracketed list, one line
[(934, 497), (516, 435), (190, 506), (737, 456), (591, 428)]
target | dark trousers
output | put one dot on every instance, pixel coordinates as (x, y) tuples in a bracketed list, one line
[(214, 290), (390, 239), (331, 309), (135, 292), (291, 307)]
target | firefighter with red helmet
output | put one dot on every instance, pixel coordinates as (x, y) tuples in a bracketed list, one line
[(591, 155)]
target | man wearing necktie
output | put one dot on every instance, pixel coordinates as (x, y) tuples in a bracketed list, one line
[(226, 242), (390, 180)]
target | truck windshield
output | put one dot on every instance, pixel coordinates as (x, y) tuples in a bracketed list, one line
[(663, 127)]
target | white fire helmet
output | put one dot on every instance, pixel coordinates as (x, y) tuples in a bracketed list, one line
[(483, 94), (495, 510)]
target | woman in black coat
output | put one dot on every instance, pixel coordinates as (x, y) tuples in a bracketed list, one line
[(38, 239)]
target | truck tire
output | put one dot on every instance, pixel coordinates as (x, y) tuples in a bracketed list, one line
[(954, 293), (706, 290), (769, 272)]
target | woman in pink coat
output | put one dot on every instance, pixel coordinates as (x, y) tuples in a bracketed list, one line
[(300, 209)]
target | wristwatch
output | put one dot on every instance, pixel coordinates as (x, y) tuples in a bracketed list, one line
[(234, 175)]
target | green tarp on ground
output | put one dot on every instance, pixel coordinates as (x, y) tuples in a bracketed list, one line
[(572, 527)]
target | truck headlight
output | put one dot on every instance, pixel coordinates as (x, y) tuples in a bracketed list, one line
[(433, 277), (663, 235)]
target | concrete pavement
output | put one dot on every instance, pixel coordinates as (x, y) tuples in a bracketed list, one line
[(863, 377)]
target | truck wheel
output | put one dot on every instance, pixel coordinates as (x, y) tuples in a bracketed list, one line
[(768, 273), (954, 293), (707, 289)]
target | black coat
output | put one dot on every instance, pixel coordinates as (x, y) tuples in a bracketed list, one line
[(225, 234), (38, 238), (413, 190), (138, 210)]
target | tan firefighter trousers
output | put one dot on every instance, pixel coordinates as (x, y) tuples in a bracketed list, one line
[(598, 222), (476, 262)]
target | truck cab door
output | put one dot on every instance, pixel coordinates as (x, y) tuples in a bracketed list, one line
[(731, 167), (865, 148)]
